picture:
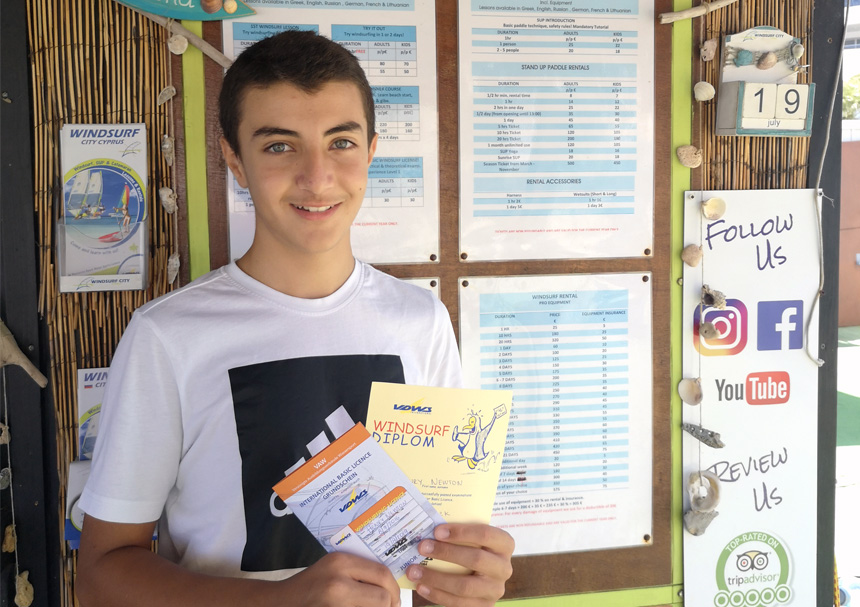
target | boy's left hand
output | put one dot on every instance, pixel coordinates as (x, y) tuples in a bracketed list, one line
[(484, 549)]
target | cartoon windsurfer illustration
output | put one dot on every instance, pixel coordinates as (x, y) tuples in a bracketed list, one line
[(471, 440)]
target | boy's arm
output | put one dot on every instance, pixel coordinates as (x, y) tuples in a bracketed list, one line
[(117, 567), (484, 549)]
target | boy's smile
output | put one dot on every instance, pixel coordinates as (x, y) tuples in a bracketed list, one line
[(304, 158)]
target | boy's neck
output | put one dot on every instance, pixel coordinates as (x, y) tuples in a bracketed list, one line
[(312, 277)]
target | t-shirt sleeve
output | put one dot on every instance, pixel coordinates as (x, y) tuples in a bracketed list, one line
[(445, 368), (139, 443)]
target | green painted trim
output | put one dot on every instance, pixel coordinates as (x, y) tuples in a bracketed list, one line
[(640, 597), (682, 133), (194, 114)]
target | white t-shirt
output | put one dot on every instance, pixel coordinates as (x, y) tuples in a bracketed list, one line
[(218, 388)]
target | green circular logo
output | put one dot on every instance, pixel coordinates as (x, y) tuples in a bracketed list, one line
[(753, 571)]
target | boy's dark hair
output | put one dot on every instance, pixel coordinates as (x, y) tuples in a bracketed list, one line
[(303, 59)]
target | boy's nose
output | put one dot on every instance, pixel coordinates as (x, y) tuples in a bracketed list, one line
[(316, 172)]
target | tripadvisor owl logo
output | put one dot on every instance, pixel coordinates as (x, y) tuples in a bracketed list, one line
[(753, 571)]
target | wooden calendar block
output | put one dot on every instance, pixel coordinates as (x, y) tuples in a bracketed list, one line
[(791, 101), (759, 100)]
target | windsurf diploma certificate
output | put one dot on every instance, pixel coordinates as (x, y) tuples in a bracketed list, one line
[(353, 498)]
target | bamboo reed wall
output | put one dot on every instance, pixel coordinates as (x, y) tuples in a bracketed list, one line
[(92, 61), (749, 163)]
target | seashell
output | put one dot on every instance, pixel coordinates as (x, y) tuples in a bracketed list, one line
[(707, 330), (689, 156), (211, 6), (692, 255), (172, 267), (230, 6), (167, 149), (704, 490), (177, 44), (744, 57), (713, 208), (697, 522), (704, 91), (4, 434), (690, 391), (23, 590), (166, 94), (168, 199), (5, 478), (709, 437), (708, 50), (767, 61), (713, 298), (9, 539), (797, 50)]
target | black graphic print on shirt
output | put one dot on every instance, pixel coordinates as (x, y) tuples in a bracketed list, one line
[(280, 407)]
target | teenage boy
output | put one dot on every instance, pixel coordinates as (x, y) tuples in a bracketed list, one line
[(220, 387)]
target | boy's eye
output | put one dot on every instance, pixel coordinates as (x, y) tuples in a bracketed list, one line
[(342, 144), (278, 147)]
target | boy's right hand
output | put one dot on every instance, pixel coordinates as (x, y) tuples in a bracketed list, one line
[(343, 580)]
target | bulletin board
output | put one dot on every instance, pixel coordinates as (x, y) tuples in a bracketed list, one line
[(106, 38), (647, 560)]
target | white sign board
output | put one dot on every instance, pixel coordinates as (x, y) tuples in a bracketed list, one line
[(760, 393)]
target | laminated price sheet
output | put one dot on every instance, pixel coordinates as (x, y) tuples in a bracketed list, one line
[(556, 129), (395, 43), (575, 350)]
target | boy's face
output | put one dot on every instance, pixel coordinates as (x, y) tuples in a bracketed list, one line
[(304, 159)]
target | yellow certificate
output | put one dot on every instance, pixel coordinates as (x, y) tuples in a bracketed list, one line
[(448, 441)]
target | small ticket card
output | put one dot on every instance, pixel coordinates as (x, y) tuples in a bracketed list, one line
[(353, 498)]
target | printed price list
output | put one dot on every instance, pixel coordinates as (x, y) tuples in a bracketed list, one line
[(397, 113), (382, 50), (568, 369), (529, 41), (395, 182), (576, 140)]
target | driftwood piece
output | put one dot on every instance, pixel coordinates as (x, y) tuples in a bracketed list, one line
[(10, 354), (697, 11)]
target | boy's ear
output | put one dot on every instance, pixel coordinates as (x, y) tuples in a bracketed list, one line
[(372, 148), (234, 162)]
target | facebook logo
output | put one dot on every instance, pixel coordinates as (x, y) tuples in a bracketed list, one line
[(780, 325)]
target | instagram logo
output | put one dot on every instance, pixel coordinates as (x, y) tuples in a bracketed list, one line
[(731, 326)]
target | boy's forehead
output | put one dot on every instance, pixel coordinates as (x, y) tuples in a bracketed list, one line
[(281, 97)]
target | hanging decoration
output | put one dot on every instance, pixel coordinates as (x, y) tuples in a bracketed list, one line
[(11, 354), (692, 255), (166, 95), (689, 156), (172, 267), (23, 590), (690, 391), (708, 437), (9, 539), (704, 91)]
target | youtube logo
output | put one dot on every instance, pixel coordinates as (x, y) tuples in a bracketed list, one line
[(768, 388)]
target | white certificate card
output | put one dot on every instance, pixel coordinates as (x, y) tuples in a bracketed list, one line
[(576, 351), (556, 128), (395, 42)]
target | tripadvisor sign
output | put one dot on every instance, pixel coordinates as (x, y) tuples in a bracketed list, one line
[(753, 571)]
